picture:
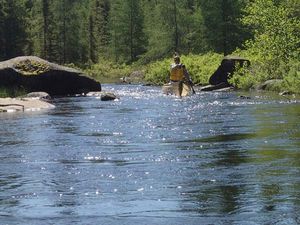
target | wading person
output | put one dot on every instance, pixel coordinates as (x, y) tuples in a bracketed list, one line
[(178, 72), (180, 83)]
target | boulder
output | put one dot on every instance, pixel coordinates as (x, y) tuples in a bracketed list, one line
[(219, 86), (226, 69), (104, 96), (37, 75), (38, 95), (23, 104), (108, 97), (269, 85)]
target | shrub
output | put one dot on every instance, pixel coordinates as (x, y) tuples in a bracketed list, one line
[(200, 67)]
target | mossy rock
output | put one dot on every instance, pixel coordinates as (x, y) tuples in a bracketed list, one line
[(34, 74), (31, 67)]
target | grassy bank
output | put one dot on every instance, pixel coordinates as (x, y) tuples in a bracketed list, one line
[(106, 71), (200, 68), (263, 69)]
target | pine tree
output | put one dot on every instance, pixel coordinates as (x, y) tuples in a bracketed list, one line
[(158, 28), (13, 34), (98, 29), (2, 40), (224, 31), (127, 36)]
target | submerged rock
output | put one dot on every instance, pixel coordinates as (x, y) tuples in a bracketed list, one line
[(244, 97), (104, 96), (108, 97), (35, 75)]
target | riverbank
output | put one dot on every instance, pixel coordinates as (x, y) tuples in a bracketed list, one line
[(201, 67)]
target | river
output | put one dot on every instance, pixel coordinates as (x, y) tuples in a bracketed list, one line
[(147, 158)]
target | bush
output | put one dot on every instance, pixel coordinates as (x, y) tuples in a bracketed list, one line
[(200, 67), (107, 71), (274, 51), (292, 79)]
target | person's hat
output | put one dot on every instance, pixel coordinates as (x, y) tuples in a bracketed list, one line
[(176, 56)]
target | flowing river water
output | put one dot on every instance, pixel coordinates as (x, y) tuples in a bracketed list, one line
[(211, 158)]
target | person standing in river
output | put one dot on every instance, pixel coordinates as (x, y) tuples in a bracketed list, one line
[(178, 71)]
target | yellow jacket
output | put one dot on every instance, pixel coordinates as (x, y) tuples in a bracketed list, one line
[(177, 72)]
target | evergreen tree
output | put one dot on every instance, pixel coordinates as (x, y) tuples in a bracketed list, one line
[(224, 31), (127, 36), (173, 25), (159, 28), (46, 23), (2, 40), (98, 29), (13, 34), (66, 31)]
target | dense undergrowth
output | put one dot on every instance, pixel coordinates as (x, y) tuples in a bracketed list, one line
[(200, 68)]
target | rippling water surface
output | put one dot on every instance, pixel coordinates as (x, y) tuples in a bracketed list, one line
[(211, 158)]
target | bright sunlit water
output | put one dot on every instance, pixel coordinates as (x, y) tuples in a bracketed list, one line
[(211, 158)]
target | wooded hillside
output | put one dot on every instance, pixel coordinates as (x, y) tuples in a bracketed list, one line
[(89, 32), (81, 31)]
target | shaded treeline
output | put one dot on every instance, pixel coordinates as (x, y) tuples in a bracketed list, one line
[(84, 31)]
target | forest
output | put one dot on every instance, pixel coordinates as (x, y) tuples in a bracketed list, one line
[(110, 37)]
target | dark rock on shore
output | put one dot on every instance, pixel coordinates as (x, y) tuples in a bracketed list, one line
[(227, 68), (37, 75)]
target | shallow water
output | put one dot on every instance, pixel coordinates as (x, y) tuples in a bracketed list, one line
[(211, 158)]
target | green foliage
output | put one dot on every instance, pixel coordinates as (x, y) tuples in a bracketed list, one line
[(31, 67), (12, 28), (244, 78), (277, 36), (158, 72), (223, 28), (12, 92), (107, 71), (200, 67), (292, 78), (137, 32), (98, 29), (127, 36), (274, 51)]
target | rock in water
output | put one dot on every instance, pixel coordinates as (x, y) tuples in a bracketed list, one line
[(108, 97), (35, 75)]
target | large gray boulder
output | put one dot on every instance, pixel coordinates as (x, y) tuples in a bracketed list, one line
[(35, 74)]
